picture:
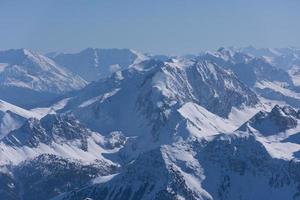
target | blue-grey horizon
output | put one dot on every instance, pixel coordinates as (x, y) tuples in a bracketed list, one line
[(169, 27)]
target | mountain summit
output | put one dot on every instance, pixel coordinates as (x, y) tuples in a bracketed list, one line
[(221, 125), (25, 74), (93, 63)]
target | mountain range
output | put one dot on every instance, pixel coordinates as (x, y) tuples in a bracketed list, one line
[(28, 79), (116, 124)]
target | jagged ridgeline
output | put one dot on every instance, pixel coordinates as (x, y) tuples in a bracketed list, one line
[(117, 124)]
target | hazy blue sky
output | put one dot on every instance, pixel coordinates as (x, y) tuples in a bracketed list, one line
[(161, 26)]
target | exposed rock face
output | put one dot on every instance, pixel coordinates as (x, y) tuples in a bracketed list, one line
[(152, 91), (48, 176), (261, 74), (180, 128), (52, 128), (54, 160), (278, 120)]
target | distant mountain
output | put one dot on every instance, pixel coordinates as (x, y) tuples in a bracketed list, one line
[(266, 79), (284, 58), (287, 59), (220, 125), (28, 78), (93, 64)]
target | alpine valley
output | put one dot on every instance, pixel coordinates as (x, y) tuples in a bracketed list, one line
[(116, 124)]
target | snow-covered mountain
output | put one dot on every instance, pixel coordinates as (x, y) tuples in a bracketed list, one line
[(152, 90), (200, 156), (284, 58), (93, 64), (29, 79), (239, 165), (190, 127), (12, 117), (58, 148), (258, 73)]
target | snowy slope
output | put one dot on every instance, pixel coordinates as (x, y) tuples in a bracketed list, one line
[(152, 91), (185, 145), (53, 134), (93, 64), (242, 164), (179, 128), (46, 157), (12, 117), (260, 74), (28, 78), (278, 130), (284, 58)]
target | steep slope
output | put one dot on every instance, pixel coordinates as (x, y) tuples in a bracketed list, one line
[(191, 159), (12, 117), (278, 130), (28, 78), (53, 134), (241, 165), (228, 167), (184, 128), (273, 122), (93, 64), (153, 175), (142, 98), (284, 58), (249, 69), (59, 149), (262, 76)]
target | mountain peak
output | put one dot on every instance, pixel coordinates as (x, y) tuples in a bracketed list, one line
[(51, 128), (279, 119), (27, 74), (94, 63)]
